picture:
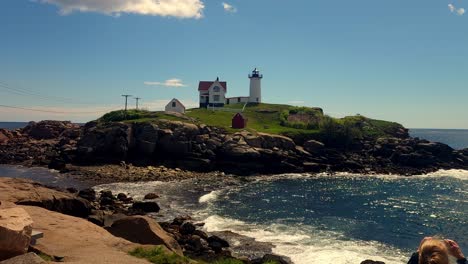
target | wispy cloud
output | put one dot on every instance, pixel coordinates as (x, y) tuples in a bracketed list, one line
[(168, 83), (229, 8), (459, 11), (170, 8), (80, 114)]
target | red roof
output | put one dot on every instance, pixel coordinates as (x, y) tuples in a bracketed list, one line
[(204, 86)]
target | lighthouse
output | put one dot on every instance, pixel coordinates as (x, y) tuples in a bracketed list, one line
[(255, 86)]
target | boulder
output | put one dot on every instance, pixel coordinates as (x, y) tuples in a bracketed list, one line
[(18, 191), (217, 243), (271, 141), (143, 230), (439, 150), (28, 258), (151, 196), (15, 232), (88, 194), (368, 261), (147, 207), (314, 146), (187, 228), (4, 138)]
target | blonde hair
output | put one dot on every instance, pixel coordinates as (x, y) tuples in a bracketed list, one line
[(433, 251)]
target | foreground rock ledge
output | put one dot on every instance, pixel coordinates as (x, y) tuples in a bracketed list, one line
[(15, 232)]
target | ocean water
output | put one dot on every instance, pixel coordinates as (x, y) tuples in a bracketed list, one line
[(456, 138), (340, 219), (13, 125)]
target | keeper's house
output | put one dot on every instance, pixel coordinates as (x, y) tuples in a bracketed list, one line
[(212, 94)]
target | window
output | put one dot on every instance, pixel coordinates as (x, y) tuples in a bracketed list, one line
[(173, 104), (216, 98), (257, 99), (216, 89), (238, 100)]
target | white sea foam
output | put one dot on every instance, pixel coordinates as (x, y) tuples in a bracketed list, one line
[(137, 190), (209, 196), (305, 244), (455, 173)]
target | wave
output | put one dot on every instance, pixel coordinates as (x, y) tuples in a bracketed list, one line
[(306, 244), (453, 173), (212, 196)]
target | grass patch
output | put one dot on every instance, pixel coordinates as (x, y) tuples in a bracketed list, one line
[(160, 256), (299, 123)]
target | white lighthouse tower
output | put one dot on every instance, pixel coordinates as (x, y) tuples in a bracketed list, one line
[(255, 86)]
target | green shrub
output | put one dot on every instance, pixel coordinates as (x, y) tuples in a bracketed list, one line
[(159, 255), (121, 115)]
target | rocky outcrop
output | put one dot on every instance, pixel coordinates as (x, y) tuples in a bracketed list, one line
[(143, 230), (15, 232), (28, 258), (26, 192), (49, 129), (77, 240), (202, 148)]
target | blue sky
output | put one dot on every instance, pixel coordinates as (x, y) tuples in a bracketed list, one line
[(405, 61)]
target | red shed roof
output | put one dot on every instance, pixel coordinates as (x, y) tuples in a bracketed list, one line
[(204, 85)]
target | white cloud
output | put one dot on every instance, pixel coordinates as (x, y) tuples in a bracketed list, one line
[(168, 83), (172, 8), (458, 11), (229, 8), (451, 7)]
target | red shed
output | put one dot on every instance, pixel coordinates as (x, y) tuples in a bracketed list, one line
[(239, 121)]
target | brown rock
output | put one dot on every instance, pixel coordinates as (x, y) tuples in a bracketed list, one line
[(151, 196), (28, 258), (143, 230), (19, 191), (15, 232), (79, 241)]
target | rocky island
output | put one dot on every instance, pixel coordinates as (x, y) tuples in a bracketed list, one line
[(149, 146)]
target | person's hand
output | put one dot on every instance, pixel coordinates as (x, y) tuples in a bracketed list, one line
[(454, 249), (422, 242)]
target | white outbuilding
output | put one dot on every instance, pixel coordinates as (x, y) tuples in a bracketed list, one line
[(175, 106)]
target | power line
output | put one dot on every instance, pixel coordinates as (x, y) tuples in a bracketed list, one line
[(126, 99), (49, 111), (137, 99), (30, 93)]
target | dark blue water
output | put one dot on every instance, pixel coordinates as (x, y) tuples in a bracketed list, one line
[(327, 219), (456, 138), (394, 211), (13, 125)]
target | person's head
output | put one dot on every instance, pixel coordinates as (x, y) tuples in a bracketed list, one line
[(433, 251)]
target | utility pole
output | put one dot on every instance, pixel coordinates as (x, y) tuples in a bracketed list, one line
[(137, 99), (126, 98)]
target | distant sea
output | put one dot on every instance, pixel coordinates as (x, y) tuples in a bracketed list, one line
[(456, 138), (16, 125), (13, 125)]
